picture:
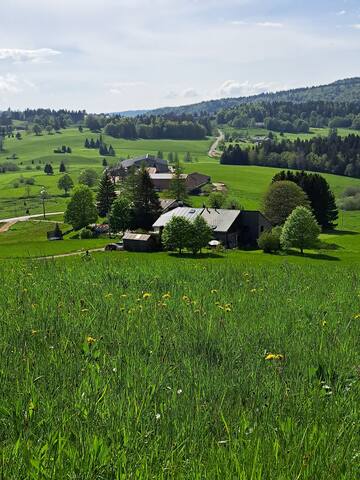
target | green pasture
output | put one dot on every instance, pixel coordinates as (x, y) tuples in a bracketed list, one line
[(153, 366)]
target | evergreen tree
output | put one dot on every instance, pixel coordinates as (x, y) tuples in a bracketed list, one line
[(111, 151), (87, 143), (146, 201), (178, 188), (62, 168), (105, 195), (160, 154), (300, 230), (48, 169), (104, 162)]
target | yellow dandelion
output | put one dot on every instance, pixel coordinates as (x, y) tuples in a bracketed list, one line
[(324, 323), (213, 291), (25, 290), (34, 332), (227, 309), (357, 316), (185, 298), (90, 340), (253, 290), (108, 295), (123, 295), (146, 295), (34, 305), (166, 296), (274, 356)]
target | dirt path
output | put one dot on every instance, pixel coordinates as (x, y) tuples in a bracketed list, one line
[(4, 228), (73, 254), (213, 152), (9, 222)]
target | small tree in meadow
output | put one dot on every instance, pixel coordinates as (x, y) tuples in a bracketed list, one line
[(62, 167), (300, 230), (280, 200), (81, 208), (217, 199), (120, 215), (177, 234), (88, 177), (202, 233), (65, 183)]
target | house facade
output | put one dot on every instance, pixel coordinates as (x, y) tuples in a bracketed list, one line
[(233, 228)]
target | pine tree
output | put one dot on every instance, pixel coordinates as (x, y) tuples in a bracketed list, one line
[(111, 151), (178, 188), (147, 207), (62, 168), (87, 143), (104, 162), (105, 196)]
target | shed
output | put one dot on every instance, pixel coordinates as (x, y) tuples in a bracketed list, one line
[(141, 242)]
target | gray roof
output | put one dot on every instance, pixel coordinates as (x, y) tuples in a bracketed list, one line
[(144, 237), (166, 176), (146, 159), (219, 219)]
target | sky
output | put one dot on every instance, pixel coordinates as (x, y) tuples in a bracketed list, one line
[(116, 55)]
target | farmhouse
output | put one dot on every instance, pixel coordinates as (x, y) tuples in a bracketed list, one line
[(157, 165), (193, 181), (233, 228)]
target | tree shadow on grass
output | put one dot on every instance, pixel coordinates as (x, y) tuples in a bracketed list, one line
[(199, 256), (313, 256), (340, 232)]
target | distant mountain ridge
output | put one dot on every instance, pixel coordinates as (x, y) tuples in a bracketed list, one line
[(347, 90)]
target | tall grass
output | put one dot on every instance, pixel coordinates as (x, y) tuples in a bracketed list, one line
[(151, 367)]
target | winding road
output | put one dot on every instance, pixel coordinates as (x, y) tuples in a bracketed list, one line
[(214, 152)]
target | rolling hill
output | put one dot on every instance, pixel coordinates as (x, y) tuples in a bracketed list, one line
[(347, 90)]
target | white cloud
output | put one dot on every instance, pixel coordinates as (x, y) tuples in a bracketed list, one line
[(232, 88), (258, 24), (341, 13), (189, 93), (22, 55), (269, 24), (121, 87), (9, 84)]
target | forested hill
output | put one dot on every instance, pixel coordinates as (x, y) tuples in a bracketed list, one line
[(340, 91)]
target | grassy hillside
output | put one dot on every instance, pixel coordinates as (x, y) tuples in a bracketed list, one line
[(135, 367)]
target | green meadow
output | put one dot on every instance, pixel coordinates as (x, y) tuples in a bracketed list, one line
[(247, 184), (146, 366)]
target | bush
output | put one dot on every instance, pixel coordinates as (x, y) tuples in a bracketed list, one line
[(30, 181), (86, 234), (269, 240), (350, 203)]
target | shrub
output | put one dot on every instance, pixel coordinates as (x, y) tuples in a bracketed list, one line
[(30, 181), (350, 203), (269, 240), (86, 234)]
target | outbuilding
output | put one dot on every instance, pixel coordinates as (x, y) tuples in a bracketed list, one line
[(141, 242)]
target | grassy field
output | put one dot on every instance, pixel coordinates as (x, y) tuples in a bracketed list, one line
[(246, 184), (133, 368)]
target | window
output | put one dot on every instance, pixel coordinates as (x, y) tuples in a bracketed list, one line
[(262, 228)]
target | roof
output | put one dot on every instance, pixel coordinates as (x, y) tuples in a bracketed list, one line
[(144, 237), (220, 220), (165, 176), (167, 202), (146, 159)]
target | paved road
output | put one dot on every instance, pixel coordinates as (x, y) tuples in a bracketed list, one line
[(213, 152)]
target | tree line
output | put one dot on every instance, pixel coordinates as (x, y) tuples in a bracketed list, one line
[(291, 117), (330, 154)]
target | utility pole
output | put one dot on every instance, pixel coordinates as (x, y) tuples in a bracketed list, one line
[(43, 195)]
